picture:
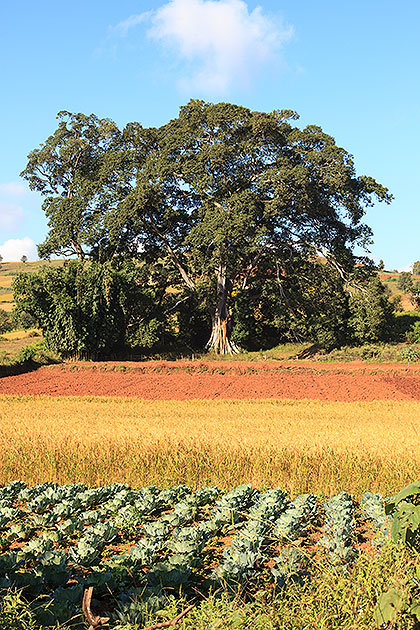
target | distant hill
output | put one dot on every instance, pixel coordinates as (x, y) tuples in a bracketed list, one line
[(390, 280)]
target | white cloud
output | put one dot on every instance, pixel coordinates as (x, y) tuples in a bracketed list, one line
[(227, 43), (17, 204), (13, 249), (222, 42), (11, 212), (123, 27), (13, 189), (11, 215)]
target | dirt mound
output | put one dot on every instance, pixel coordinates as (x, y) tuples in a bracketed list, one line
[(181, 380)]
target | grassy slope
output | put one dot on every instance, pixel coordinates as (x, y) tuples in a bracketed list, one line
[(8, 271)]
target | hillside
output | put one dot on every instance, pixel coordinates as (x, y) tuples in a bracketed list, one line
[(8, 270)]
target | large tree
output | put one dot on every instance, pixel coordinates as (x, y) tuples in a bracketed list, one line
[(224, 186), (210, 195)]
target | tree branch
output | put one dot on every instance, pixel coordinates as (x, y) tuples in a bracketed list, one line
[(168, 310), (173, 623), (188, 281)]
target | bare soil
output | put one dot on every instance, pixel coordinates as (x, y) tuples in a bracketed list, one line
[(184, 380)]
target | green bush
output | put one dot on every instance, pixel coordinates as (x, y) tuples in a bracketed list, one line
[(31, 352), (403, 324), (410, 354), (413, 336), (92, 309), (5, 321), (371, 317)]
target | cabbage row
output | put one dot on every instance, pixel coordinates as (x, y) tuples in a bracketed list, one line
[(139, 547)]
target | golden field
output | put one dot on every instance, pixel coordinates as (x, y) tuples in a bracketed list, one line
[(316, 446), (7, 306)]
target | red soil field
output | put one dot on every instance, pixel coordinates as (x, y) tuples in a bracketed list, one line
[(183, 380)]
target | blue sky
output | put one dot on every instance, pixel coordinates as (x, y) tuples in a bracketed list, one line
[(352, 68)]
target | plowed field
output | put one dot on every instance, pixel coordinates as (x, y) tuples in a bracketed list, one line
[(184, 380)]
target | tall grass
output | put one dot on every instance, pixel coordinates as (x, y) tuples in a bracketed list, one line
[(315, 446), (333, 599)]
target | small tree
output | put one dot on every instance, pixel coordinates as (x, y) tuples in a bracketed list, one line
[(371, 317), (381, 265), (24, 258), (416, 268), (405, 281)]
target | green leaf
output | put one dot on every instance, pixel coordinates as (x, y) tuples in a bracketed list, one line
[(411, 490), (405, 523), (388, 606)]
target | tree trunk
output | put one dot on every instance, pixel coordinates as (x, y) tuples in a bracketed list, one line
[(219, 341)]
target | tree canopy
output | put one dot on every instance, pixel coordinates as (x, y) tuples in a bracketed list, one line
[(77, 170), (221, 194)]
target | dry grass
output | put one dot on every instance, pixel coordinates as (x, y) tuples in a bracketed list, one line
[(301, 445), (7, 306), (21, 334), (6, 281), (11, 344)]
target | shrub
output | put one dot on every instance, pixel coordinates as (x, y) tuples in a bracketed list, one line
[(371, 317), (413, 336), (5, 321), (90, 310)]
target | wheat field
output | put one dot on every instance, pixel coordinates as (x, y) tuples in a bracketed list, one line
[(315, 446)]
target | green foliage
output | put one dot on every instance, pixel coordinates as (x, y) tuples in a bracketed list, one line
[(77, 171), (31, 352), (413, 336), (388, 607), (16, 614), (303, 300), (6, 323), (410, 353), (405, 529), (403, 324), (90, 309), (23, 319), (371, 318), (416, 268), (190, 316), (405, 281)]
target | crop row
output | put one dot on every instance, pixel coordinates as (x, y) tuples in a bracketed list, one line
[(145, 545)]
